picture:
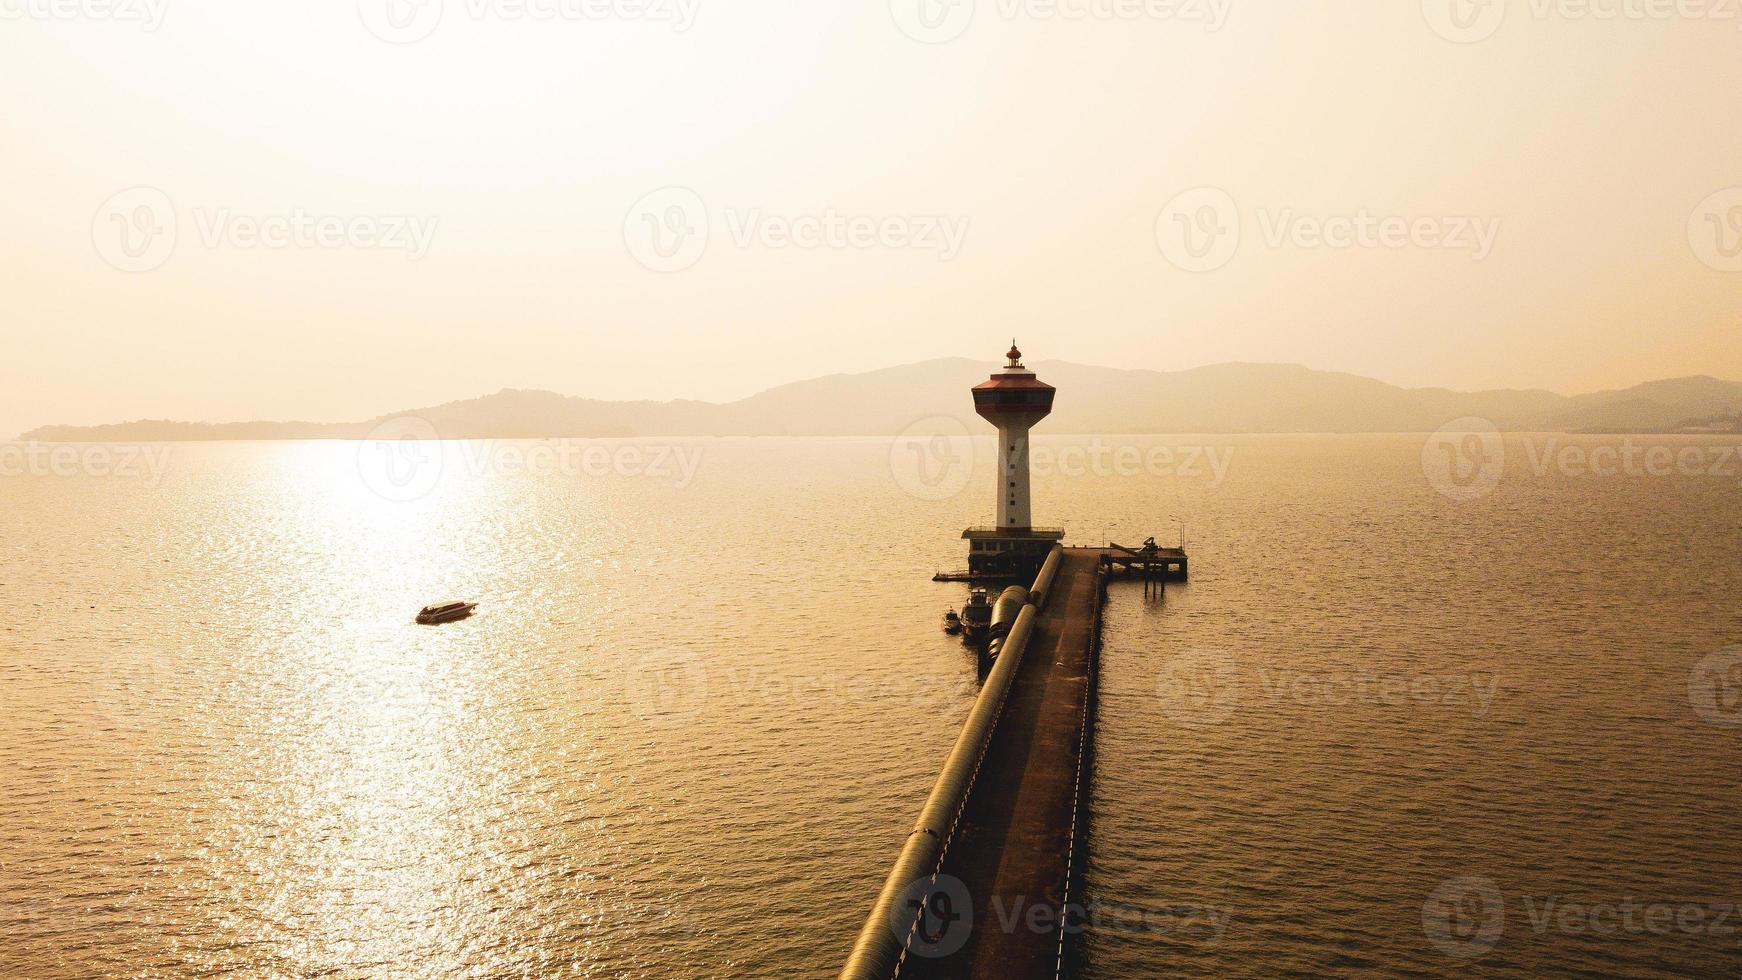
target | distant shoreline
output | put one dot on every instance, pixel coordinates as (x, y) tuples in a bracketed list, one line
[(925, 398), (987, 436)]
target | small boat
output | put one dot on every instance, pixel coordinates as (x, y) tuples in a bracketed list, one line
[(952, 623), (445, 612), (977, 615)]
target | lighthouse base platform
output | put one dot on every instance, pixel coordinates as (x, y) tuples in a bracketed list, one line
[(1012, 553)]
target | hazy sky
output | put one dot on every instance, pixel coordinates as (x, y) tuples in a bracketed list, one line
[(1541, 200)]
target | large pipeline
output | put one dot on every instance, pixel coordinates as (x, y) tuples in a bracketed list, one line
[(1004, 612), (1049, 572), (884, 940)]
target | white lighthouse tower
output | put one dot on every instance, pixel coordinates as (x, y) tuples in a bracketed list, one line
[(1014, 400)]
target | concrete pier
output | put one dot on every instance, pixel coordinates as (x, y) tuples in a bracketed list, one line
[(988, 882), (995, 891), (1016, 848)]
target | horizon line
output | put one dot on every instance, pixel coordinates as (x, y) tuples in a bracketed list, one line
[(848, 374)]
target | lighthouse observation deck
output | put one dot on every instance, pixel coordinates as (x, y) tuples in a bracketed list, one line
[(1015, 401)]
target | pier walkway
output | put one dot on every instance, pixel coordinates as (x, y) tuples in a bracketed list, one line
[(989, 881), (1016, 850)]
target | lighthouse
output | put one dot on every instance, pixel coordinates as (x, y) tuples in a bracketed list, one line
[(1014, 400)]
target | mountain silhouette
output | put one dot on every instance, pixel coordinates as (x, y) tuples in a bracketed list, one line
[(1222, 398)]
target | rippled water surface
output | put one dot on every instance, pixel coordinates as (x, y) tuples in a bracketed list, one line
[(686, 731), (1372, 698)]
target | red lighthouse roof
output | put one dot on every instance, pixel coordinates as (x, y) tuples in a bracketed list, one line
[(1014, 377)]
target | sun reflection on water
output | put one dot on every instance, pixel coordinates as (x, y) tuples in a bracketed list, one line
[(369, 831)]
